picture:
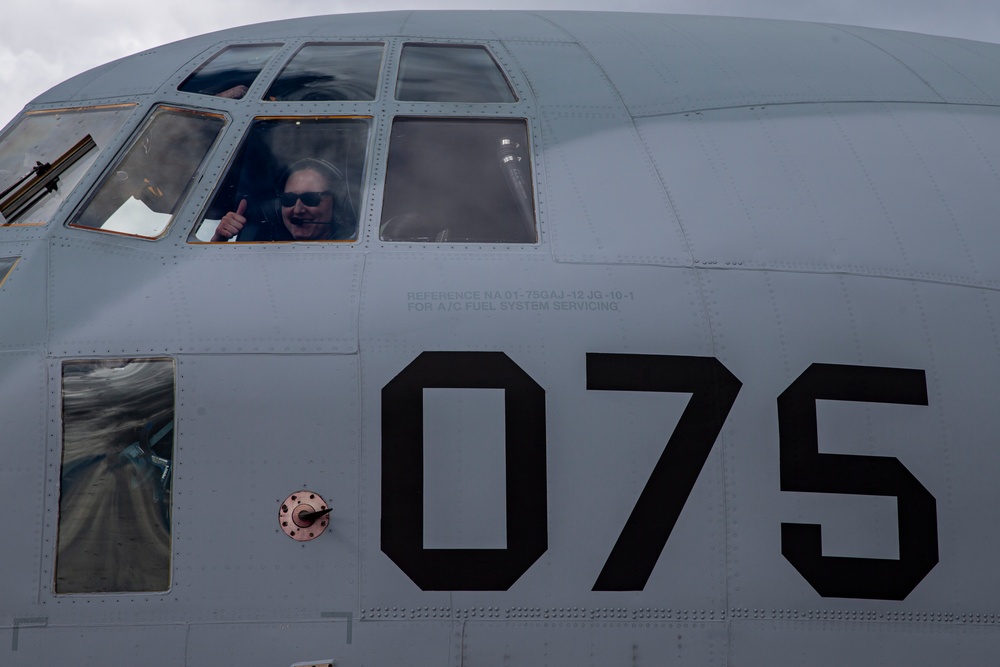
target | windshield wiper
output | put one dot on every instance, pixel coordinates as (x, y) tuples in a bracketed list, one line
[(43, 178)]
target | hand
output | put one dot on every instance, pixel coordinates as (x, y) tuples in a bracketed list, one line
[(231, 224)]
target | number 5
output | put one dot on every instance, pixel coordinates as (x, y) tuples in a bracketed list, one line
[(803, 468)]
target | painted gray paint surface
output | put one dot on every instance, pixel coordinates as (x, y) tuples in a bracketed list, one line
[(769, 194)]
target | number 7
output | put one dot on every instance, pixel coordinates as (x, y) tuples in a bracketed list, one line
[(713, 391)]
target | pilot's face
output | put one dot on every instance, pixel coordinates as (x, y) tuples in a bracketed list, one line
[(299, 219)]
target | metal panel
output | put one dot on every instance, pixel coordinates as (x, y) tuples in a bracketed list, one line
[(343, 641), (768, 332), (87, 646), (664, 64), (591, 146), (618, 640), (22, 469), (160, 301), (900, 190), (546, 318), (253, 429), (22, 318), (128, 77), (959, 70), (585, 91), (498, 25), (836, 641)]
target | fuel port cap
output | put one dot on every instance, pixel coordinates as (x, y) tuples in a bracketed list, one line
[(304, 515)]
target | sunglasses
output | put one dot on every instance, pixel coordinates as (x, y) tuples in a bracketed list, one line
[(288, 199)]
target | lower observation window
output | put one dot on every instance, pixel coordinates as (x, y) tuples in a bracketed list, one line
[(117, 468), (458, 180)]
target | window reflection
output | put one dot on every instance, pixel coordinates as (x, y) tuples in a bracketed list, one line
[(458, 180), (140, 194), (42, 137), (329, 72), (321, 159), (231, 72), (6, 264), (450, 73), (117, 468)]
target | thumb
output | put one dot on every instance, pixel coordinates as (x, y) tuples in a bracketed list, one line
[(241, 209)]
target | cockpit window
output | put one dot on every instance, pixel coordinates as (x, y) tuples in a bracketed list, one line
[(6, 264), (450, 73), (230, 72), (117, 469), (329, 72), (45, 154), (140, 194), (294, 179), (458, 180)]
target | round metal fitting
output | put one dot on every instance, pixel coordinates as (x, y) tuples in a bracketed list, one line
[(303, 516)]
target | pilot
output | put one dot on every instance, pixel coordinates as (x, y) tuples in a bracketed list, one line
[(309, 190)]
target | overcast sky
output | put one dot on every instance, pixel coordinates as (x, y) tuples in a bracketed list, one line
[(43, 42)]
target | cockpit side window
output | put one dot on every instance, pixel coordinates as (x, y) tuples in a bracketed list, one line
[(141, 193), (458, 180), (293, 179), (45, 155), (6, 264), (450, 73), (116, 474), (321, 72), (230, 72)]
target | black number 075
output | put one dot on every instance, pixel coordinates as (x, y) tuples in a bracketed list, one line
[(713, 392)]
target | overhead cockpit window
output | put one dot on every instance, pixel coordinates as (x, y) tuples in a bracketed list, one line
[(117, 469), (329, 72), (141, 193), (231, 72), (294, 179), (458, 180), (450, 73), (45, 154)]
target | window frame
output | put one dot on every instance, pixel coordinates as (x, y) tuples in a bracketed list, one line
[(237, 157), (379, 73), (276, 47), (531, 176), (457, 45), (85, 164), (166, 547), (126, 150)]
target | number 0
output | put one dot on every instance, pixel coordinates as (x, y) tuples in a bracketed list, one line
[(403, 469)]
